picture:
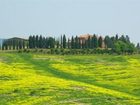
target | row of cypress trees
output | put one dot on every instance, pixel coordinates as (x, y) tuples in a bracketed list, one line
[(115, 43), (14, 44), (73, 43)]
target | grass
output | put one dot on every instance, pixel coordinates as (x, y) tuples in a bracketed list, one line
[(38, 79)]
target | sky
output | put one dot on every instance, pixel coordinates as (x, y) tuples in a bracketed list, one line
[(21, 18)]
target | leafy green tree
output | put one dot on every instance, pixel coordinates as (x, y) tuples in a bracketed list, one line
[(122, 38), (118, 47), (131, 48), (108, 42)]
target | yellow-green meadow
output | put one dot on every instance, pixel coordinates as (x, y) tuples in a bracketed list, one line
[(39, 79)]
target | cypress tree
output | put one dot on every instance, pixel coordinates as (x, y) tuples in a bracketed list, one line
[(86, 44), (51, 42), (138, 46), (17, 44), (127, 39), (40, 42), (43, 42), (108, 42), (116, 37), (100, 40), (37, 41), (34, 41), (20, 44), (79, 43), (61, 42), (14, 44), (72, 42), (47, 43), (64, 41), (89, 42), (57, 44), (30, 42), (76, 42), (68, 43), (95, 41), (23, 44)]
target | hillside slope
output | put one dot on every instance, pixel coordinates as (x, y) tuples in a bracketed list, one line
[(36, 79)]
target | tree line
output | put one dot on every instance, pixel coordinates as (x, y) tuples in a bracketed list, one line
[(114, 44), (14, 44)]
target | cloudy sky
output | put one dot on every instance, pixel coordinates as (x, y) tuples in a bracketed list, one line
[(22, 18)]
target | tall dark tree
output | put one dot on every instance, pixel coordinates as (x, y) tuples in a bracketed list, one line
[(138, 46), (116, 37), (51, 42), (82, 44), (76, 42), (86, 44), (20, 44), (95, 41), (23, 44), (40, 41), (17, 44), (72, 42), (34, 41), (57, 44), (37, 41), (30, 42), (127, 39), (100, 41), (9, 44), (47, 43), (64, 41), (89, 42), (79, 43), (61, 42), (69, 43), (122, 38), (14, 44), (43, 42)]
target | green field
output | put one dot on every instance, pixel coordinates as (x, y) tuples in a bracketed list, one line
[(39, 79)]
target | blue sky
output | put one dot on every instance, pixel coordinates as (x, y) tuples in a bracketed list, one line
[(22, 18)]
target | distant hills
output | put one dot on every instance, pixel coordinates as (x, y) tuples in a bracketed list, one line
[(14, 38), (17, 38), (1, 40)]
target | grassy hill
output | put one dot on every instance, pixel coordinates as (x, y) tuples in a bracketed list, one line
[(37, 79)]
